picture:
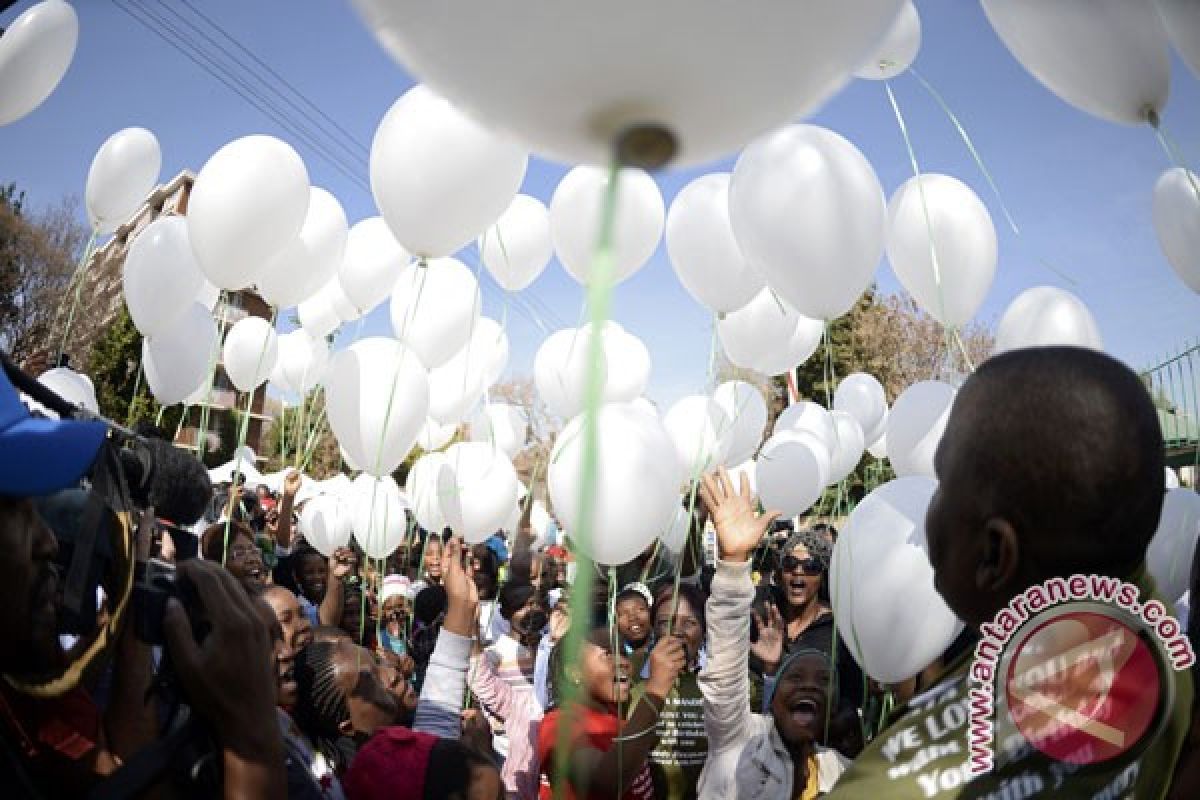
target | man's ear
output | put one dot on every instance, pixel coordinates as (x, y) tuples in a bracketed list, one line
[(999, 555)]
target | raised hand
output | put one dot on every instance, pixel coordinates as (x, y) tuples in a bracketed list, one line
[(769, 647), (462, 596), (342, 563), (292, 483), (667, 660), (739, 527)]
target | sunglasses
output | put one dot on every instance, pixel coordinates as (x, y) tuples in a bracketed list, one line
[(811, 566)]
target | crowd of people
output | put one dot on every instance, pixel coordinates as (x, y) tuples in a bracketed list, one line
[(458, 671)]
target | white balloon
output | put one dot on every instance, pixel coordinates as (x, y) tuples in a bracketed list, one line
[(848, 445), (378, 520), (881, 555), (501, 425), (704, 253), (208, 294), (518, 247), (1106, 57), (422, 489), (439, 177), (751, 336), (627, 366), (808, 213), (750, 470), (372, 263), (35, 52), (317, 315), (248, 203), (312, 259), (861, 396), (1045, 316), (434, 435), (456, 386), (915, 426), (177, 361), (478, 490), (799, 347), (636, 489), (747, 411), (674, 536), (1182, 21), (569, 79), (1177, 222), (348, 459), (338, 300), (72, 386), (953, 288), (160, 277), (1169, 556), (645, 406), (377, 398), (123, 173), (250, 352), (898, 49), (434, 309), (575, 211), (302, 360), (702, 434), (1172, 479), (560, 370), (879, 448), (808, 416), (788, 473), (491, 343), (326, 523)]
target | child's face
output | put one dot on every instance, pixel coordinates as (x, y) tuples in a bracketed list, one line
[(633, 620), (605, 677)]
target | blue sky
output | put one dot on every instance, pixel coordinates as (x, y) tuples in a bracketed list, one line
[(1079, 188)]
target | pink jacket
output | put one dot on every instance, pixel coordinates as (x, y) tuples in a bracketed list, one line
[(521, 713)]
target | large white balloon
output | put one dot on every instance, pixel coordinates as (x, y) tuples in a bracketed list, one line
[(434, 308), (477, 490), (1177, 222), (704, 253), (789, 474), (438, 176), (560, 370), (808, 213), (422, 490), (570, 78), (122, 174), (35, 52), (177, 360), (768, 335), (627, 365), (456, 386), (491, 343), (160, 277), (674, 537), (1169, 556), (302, 361), (799, 347), (312, 259), (915, 426), (963, 237), (861, 396), (377, 399), (1182, 21), (326, 523), (317, 315), (371, 264), (434, 435), (808, 416), (702, 434), (878, 448), (518, 247), (248, 203), (636, 489), (378, 519), (881, 555), (1106, 57), (747, 411), (575, 211), (501, 425), (1045, 316), (848, 445), (250, 351), (898, 49)]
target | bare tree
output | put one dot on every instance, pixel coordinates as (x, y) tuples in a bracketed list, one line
[(531, 463)]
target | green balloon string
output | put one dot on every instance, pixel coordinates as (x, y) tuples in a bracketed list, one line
[(213, 353), (599, 295), (1173, 154)]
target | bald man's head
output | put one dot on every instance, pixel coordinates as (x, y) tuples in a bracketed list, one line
[(1052, 463)]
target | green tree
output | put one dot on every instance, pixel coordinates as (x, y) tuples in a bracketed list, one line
[(299, 433)]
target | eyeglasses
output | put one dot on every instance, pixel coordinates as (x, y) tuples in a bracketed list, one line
[(810, 565)]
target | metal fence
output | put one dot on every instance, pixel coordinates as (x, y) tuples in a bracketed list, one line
[(1174, 384)]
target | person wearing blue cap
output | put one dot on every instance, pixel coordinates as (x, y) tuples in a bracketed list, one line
[(54, 741)]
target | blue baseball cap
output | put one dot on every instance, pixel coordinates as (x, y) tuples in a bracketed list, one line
[(42, 456)]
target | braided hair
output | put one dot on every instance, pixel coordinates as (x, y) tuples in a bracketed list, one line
[(321, 704)]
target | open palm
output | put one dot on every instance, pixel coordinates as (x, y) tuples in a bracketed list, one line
[(739, 526)]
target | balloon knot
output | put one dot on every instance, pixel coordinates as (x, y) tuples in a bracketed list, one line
[(1152, 117), (649, 146)]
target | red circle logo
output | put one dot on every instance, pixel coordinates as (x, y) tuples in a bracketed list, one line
[(1083, 687)]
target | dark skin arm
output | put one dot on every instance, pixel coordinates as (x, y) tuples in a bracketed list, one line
[(595, 774), (283, 531), (341, 565)]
